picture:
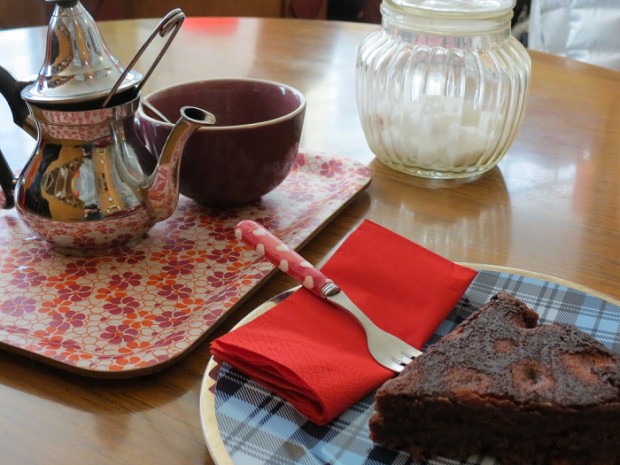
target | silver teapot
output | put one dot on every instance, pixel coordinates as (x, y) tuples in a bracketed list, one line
[(85, 189)]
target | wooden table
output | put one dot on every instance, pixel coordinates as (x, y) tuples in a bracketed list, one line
[(552, 206)]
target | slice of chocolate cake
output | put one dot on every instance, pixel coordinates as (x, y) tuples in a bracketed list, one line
[(504, 386)]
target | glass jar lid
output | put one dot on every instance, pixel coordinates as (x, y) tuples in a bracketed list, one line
[(450, 16), (456, 6)]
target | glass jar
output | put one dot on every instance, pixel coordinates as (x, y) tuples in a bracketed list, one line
[(442, 86)]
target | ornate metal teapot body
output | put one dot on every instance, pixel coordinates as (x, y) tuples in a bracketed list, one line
[(84, 189)]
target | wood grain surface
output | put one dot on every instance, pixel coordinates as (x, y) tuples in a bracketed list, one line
[(552, 206)]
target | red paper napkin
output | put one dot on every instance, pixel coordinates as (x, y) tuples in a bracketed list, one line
[(314, 354)]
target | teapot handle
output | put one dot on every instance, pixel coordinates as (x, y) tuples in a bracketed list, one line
[(7, 180), (10, 88)]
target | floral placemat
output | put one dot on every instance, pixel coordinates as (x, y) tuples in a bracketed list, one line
[(135, 312)]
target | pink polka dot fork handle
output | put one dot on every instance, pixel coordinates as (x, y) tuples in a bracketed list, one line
[(385, 348), (285, 258)]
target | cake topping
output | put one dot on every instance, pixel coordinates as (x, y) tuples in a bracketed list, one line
[(502, 349), (502, 385)]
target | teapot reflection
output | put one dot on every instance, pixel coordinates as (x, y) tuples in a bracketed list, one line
[(84, 190), (434, 214)]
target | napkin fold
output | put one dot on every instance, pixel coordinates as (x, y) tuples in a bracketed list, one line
[(314, 355)]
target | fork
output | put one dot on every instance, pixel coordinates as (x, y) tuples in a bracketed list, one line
[(387, 349)]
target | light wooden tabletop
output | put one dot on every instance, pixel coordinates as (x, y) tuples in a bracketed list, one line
[(552, 206)]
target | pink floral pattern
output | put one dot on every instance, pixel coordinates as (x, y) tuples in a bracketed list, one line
[(134, 312)]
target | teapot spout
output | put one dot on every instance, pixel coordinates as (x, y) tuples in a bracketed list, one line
[(163, 184)]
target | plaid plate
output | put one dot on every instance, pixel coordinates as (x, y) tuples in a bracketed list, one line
[(258, 427)]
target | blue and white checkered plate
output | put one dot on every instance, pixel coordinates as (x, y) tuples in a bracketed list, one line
[(244, 424)]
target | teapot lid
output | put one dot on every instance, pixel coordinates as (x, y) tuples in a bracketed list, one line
[(78, 64)]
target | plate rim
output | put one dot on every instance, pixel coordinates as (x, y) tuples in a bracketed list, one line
[(208, 414)]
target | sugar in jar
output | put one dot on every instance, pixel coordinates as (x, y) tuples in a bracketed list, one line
[(442, 86)]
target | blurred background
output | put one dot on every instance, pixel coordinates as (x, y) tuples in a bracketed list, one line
[(584, 30), (20, 13)]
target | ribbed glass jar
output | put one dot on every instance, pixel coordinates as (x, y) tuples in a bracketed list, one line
[(442, 86)]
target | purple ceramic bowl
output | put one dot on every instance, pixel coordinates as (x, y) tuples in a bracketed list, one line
[(247, 153)]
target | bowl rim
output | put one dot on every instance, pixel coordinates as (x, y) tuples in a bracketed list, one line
[(156, 121)]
